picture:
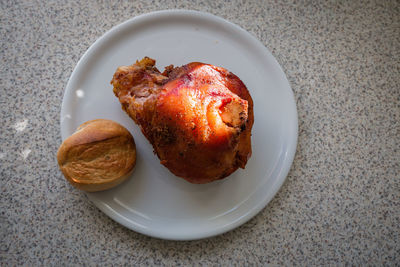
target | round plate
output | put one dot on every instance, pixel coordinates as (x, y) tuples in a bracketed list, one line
[(153, 201)]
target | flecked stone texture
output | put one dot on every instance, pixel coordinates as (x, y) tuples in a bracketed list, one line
[(340, 204)]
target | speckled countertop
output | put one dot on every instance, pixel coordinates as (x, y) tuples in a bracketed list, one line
[(341, 201)]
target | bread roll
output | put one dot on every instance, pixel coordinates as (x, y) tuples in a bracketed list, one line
[(100, 155)]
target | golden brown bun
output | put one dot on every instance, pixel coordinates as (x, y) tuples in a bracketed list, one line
[(98, 156)]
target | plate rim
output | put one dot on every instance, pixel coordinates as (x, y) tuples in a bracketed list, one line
[(288, 157)]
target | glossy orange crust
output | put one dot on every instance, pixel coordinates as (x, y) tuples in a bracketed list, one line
[(198, 117)]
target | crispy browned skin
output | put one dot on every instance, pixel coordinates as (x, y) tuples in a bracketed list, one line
[(198, 117)]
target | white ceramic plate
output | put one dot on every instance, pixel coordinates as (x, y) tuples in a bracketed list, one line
[(154, 201)]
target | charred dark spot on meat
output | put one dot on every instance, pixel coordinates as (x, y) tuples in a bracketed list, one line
[(164, 134)]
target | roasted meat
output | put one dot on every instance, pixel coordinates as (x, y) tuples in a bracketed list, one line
[(198, 117)]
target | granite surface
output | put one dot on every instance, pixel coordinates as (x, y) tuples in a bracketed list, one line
[(340, 204)]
